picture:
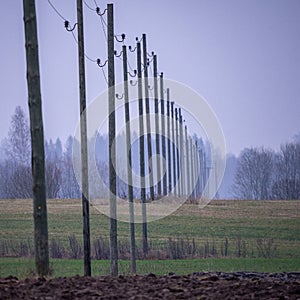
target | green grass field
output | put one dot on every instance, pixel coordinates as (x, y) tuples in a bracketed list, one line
[(246, 221), (23, 267)]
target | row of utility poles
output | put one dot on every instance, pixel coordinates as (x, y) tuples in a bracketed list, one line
[(178, 164), (179, 161)]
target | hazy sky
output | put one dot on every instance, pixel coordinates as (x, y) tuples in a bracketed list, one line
[(243, 56)]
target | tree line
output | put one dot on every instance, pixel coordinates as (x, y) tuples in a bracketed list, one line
[(258, 173), (267, 174), (61, 181), (15, 166)]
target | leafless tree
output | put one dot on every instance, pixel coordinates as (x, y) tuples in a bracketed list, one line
[(18, 146), (253, 178), (287, 166), (53, 168), (69, 187), (16, 180)]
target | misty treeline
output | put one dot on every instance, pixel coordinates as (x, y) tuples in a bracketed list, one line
[(257, 173), (62, 161), (61, 181), (265, 174), (15, 167)]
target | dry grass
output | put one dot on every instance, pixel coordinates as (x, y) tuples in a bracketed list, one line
[(243, 209), (220, 219)]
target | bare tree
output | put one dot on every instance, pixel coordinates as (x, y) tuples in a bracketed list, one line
[(287, 166), (18, 146), (70, 187), (253, 178), (53, 153), (16, 170)]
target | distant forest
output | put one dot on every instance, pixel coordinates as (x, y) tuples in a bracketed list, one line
[(257, 173)]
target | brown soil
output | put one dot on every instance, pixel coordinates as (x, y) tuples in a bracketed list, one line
[(219, 285)]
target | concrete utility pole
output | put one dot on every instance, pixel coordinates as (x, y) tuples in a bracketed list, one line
[(163, 138), (37, 140), (129, 164), (84, 151), (150, 163), (157, 139), (142, 150), (173, 148), (178, 183), (188, 161), (169, 142), (111, 145), (181, 154)]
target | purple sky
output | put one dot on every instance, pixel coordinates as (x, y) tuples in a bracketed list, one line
[(242, 56)]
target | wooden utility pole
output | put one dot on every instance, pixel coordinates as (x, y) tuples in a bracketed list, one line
[(157, 139), (37, 140), (178, 183), (198, 172), (216, 181), (169, 142), (111, 144), (129, 164), (84, 151), (200, 169), (149, 144), (192, 156), (142, 150), (181, 154), (163, 138), (207, 171), (173, 148), (203, 170), (188, 161)]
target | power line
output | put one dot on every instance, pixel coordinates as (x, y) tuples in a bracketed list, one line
[(103, 27), (130, 67), (86, 56), (104, 75), (71, 30), (89, 7), (57, 12), (102, 68)]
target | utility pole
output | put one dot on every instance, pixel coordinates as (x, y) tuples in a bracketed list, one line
[(142, 150), (129, 164), (205, 173), (163, 138), (216, 180), (111, 144), (157, 139), (188, 161), (192, 156), (169, 142), (173, 148), (199, 158), (178, 184), (181, 154), (84, 151), (37, 140), (150, 166), (201, 174)]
